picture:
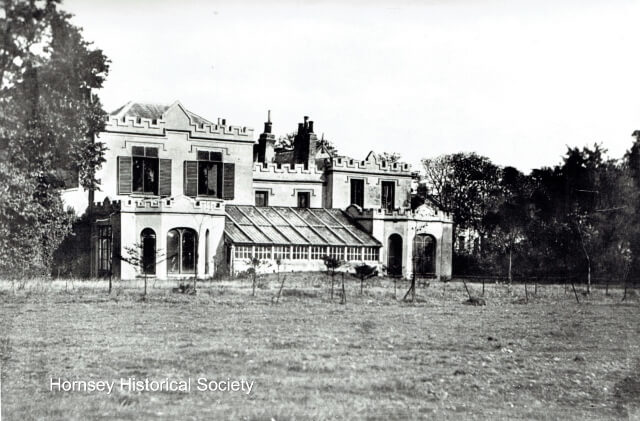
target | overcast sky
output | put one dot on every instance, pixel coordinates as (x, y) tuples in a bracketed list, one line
[(513, 80)]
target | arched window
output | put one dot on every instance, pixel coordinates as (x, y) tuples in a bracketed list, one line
[(148, 242), (206, 252), (181, 251), (424, 254)]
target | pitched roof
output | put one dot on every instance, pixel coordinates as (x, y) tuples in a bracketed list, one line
[(286, 226), (152, 111)]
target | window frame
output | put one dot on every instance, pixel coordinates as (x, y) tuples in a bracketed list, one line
[(357, 198), (266, 198), (142, 158)]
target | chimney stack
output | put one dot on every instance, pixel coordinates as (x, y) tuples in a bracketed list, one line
[(263, 152)]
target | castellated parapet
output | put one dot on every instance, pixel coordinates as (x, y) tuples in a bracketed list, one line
[(423, 213), (370, 164), (181, 204), (158, 126)]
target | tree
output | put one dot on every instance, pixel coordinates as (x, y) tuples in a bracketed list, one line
[(363, 272), (389, 157), (135, 257), (48, 118), (332, 264), (506, 221), (464, 184)]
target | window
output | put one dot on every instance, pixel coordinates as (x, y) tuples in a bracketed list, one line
[(388, 195), (357, 192), (144, 173), (371, 254), (181, 251), (243, 252), (318, 252), (263, 252), (353, 254), (336, 252), (262, 198), (148, 241), (104, 250), (146, 168), (303, 199), (300, 252), (461, 243), (210, 174), (281, 252)]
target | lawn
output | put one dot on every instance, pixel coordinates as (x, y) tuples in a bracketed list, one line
[(312, 358)]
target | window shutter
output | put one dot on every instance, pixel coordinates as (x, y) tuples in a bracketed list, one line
[(124, 174), (191, 178), (164, 188), (228, 181)]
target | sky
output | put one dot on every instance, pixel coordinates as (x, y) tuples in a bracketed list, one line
[(516, 81)]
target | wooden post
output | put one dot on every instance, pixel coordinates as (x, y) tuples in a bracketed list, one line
[(535, 288), (280, 290), (575, 292), (344, 294), (526, 292), (483, 286), (467, 289), (606, 286)]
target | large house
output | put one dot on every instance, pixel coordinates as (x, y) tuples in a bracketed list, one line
[(190, 197)]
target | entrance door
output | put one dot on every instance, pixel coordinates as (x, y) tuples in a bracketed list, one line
[(394, 255), (148, 262), (424, 255)]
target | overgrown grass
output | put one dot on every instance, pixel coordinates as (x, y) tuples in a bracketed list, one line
[(311, 358)]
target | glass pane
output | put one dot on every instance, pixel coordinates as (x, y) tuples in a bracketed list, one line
[(173, 252), (138, 176), (151, 175), (188, 251)]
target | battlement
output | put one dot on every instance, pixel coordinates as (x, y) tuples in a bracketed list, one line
[(272, 168), (425, 213), (158, 126), (370, 164), (180, 204)]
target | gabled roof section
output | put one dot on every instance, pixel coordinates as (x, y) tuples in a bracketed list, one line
[(142, 110), (280, 225), (154, 111)]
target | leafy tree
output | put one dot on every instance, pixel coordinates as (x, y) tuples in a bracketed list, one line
[(48, 118), (363, 272), (332, 264), (464, 184), (389, 157)]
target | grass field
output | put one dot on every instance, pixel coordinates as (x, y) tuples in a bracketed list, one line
[(312, 358)]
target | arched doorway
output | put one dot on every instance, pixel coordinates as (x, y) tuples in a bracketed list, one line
[(148, 242), (181, 251), (394, 255), (424, 255)]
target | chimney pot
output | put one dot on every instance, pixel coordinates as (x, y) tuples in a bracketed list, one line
[(311, 127)]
